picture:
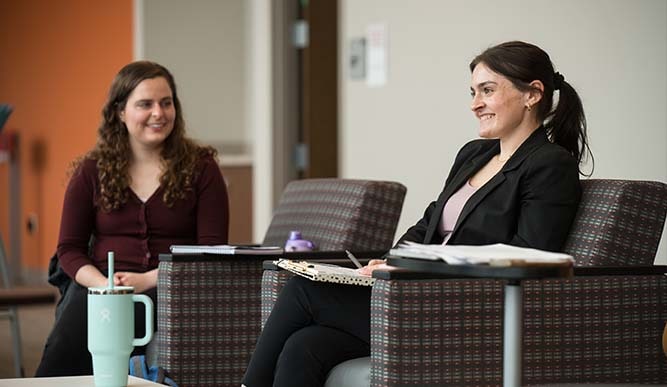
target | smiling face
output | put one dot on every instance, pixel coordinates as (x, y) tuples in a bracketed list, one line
[(497, 103), (149, 114)]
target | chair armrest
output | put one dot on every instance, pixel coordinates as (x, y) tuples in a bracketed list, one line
[(590, 329), (595, 329), (436, 332), (208, 318)]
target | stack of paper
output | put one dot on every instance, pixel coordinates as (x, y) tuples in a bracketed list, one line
[(498, 254)]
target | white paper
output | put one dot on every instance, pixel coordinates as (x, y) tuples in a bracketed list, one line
[(485, 254)]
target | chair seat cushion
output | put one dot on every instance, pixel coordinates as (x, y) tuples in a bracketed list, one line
[(351, 373)]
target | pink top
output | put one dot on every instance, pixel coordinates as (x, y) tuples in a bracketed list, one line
[(453, 208)]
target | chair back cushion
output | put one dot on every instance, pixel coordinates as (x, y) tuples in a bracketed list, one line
[(619, 223), (338, 214)]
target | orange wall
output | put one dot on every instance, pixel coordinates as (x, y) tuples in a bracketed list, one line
[(57, 59)]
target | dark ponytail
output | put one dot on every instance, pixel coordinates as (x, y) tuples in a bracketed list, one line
[(521, 63), (566, 125)]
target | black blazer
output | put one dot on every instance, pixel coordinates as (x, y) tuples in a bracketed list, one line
[(531, 202)]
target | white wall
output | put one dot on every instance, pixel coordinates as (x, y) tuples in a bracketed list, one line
[(258, 111), (614, 52), (203, 44)]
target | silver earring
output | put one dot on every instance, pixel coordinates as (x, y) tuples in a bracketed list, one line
[(529, 107)]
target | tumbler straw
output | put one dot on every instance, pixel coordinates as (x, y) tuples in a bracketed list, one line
[(110, 259)]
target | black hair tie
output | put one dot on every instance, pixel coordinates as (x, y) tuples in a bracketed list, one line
[(558, 80)]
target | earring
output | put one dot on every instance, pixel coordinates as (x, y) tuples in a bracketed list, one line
[(529, 107)]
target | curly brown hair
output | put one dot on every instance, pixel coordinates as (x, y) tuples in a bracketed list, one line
[(179, 153)]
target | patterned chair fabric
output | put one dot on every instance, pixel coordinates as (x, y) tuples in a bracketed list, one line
[(419, 340), (598, 329), (209, 311), (338, 214), (619, 222), (593, 329), (272, 282), (603, 329), (208, 319)]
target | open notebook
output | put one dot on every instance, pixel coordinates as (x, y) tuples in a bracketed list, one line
[(325, 273)]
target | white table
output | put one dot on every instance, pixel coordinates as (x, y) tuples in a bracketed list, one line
[(70, 381)]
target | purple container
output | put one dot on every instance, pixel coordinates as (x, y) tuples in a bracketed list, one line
[(295, 243)]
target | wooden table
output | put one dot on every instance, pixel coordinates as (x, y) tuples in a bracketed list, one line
[(21, 295), (70, 381)]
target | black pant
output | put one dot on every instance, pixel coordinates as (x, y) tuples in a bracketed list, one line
[(66, 350), (313, 327)]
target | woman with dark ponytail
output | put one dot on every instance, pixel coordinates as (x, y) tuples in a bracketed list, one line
[(518, 185), (522, 63)]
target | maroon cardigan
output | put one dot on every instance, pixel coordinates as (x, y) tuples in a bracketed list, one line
[(137, 232)]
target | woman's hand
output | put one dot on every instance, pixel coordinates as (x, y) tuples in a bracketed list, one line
[(373, 264), (140, 281), (89, 277)]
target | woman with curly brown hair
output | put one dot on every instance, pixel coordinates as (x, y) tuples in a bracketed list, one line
[(143, 187)]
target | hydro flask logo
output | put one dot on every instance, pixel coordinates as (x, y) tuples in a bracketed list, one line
[(105, 315)]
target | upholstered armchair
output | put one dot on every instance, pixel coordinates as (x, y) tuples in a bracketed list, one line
[(209, 306), (603, 325)]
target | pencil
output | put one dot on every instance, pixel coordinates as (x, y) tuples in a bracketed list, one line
[(353, 259)]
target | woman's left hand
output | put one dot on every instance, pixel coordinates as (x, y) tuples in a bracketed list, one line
[(140, 281)]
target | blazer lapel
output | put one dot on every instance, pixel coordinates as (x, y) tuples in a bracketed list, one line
[(534, 141), (477, 198), (465, 172)]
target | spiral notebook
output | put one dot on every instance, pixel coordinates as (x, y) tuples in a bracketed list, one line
[(325, 273)]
